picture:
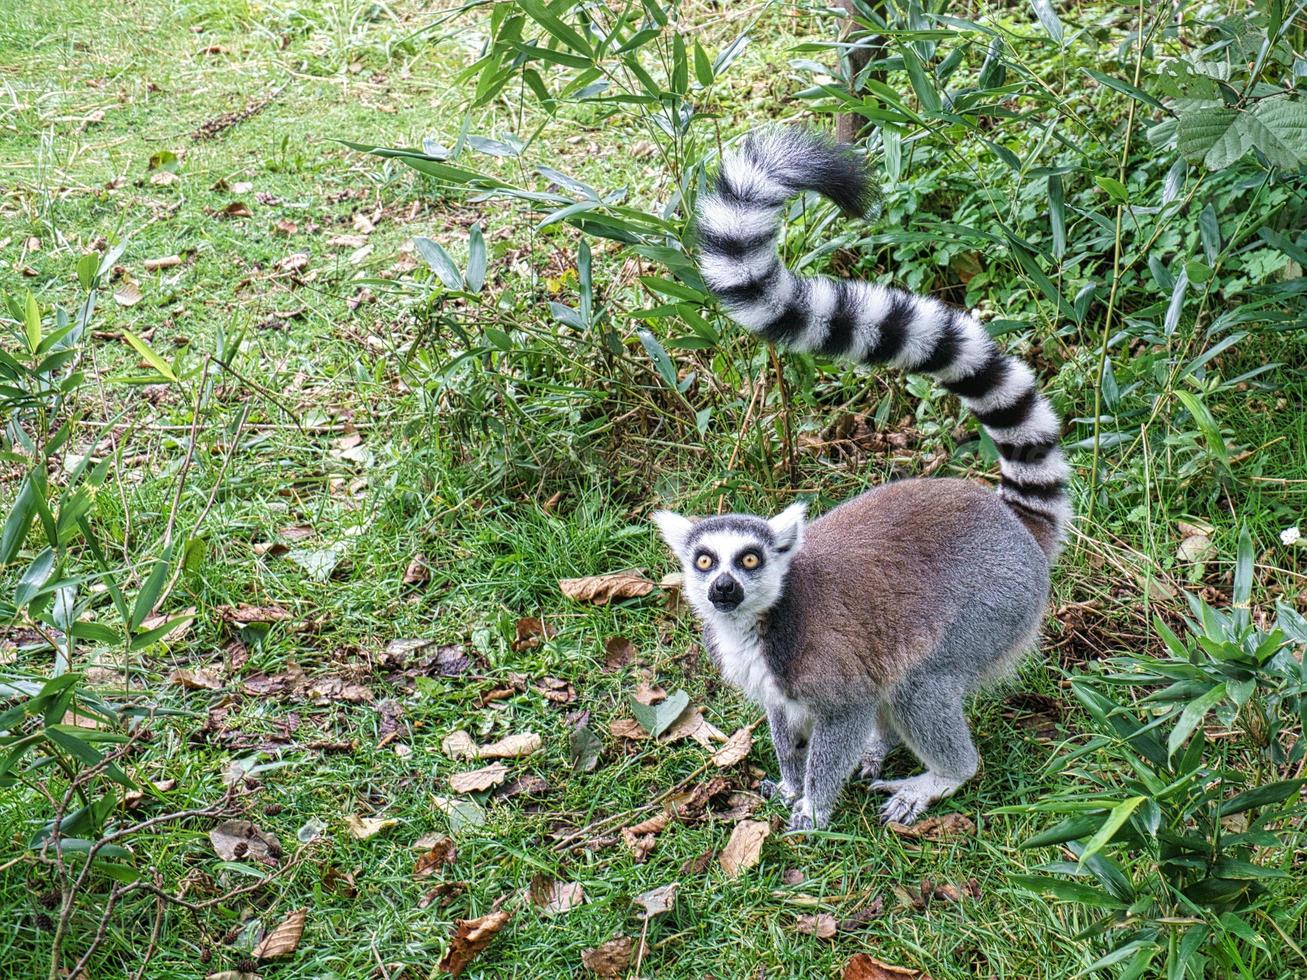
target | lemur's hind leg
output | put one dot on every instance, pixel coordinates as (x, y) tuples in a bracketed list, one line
[(882, 741), (834, 749), (927, 713)]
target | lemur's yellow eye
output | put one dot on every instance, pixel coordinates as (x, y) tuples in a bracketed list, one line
[(703, 562), (749, 560)]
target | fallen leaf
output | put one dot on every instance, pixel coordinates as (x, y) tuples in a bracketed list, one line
[(627, 728), (293, 262), (821, 925), (459, 745), (657, 718), (864, 967), (735, 749), (478, 779), (697, 865), (438, 853), (128, 294), (319, 563), (347, 241), (284, 939), (744, 849), (236, 209), (872, 910), (233, 975), (244, 614), (198, 679), (739, 805), (338, 689), (618, 652), (529, 632), (471, 936), (1194, 548), (641, 838), (792, 876), (584, 748), (262, 685), (648, 694), (553, 897), (609, 960), (937, 828), (556, 689), (693, 725), (287, 227), (658, 900), (363, 224), (602, 589), (362, 828), (417, 572), (460, 813), (527, 785), (446, 892), (240, 840), (513, 747), (163, 262)]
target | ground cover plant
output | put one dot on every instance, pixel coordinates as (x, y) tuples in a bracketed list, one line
[(348, 346)]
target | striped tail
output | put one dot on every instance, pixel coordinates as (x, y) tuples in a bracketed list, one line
[(738, 226)]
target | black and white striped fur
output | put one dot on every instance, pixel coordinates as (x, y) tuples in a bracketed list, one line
[(739, 223)]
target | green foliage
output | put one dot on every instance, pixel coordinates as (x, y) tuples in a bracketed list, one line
[(1179, 843)]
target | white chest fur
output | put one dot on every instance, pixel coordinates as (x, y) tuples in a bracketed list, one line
[(740, 656)]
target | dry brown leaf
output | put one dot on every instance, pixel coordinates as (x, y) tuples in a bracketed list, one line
[(363, 224), (744, 849), (646, 693), (602, 589), (627, 728), (244, 614), (471, 936), (658, 900), (641, 837), (361, 828), (417, 572), (233, 975), (693, 725), (347, 241), (438, 852), (478, 779), (128, 294), (198, 679), (697, 865), (735, 749), (240, 840), (283, 940), (262, 685), (556, 689), (512, 747), (864, 967), (287, 227), (338, 689), (459, 745), (940, 827), (821, 925), (528, 785), (553, 897), (618, 652), (530, 633), (236, 209), (163, 262), (609, 960), (293, 262)]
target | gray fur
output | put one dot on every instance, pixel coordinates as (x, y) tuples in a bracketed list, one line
[(895, 607)]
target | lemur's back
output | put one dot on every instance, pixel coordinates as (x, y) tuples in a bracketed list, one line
[(911, 571)]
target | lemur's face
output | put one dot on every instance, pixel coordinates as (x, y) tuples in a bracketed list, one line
[(734, 565)]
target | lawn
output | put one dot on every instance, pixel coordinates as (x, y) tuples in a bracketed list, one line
[(311, 469)]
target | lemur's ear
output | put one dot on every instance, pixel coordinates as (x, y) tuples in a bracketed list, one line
[(787, 526), (675, 529)]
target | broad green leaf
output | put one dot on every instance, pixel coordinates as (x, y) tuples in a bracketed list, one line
[(1119, 815), (476, 259), (21, 515), (149, 594), (657, 718), (1176, 306), (34, 578), (1048, 17), (1205, 422), (438, 260), (663, 363), (1261, 796), (702, 66), (1279, 129), (545, 17), (1057, 214), (32, 324), (1200, 127), (1067, 891), (147, 352), (1191, 717), (1115, 189), (1125, 88), (921, 83)]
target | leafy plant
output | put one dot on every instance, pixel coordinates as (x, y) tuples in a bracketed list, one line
[(1176, 851)]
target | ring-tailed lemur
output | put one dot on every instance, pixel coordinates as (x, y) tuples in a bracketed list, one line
[(871, 624)]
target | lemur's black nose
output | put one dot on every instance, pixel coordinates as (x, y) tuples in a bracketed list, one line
[(725, 592)]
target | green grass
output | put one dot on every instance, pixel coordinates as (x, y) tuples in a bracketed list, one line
[(460, 465)]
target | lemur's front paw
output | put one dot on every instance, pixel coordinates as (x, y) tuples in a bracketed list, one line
[(802, 817), (773, 790), (870, 766)]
